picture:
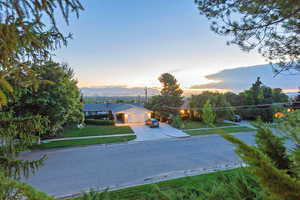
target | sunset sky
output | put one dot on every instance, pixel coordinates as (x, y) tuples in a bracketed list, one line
[(130, 43)]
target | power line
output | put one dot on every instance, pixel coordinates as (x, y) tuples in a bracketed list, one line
[(261, 106)]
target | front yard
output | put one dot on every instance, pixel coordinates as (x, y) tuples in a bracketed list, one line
[(219, 130), (83, 142), (199, 124), (96, 131), (90, 130)]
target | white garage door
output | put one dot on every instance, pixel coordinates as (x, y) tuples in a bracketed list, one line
[(137, 118)]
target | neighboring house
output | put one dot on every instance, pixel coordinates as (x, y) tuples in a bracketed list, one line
[(122, 112)]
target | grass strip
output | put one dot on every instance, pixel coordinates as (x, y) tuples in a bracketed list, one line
[(219, 130), (83, 142)]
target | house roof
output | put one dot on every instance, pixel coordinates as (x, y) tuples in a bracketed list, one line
[(114, 107)]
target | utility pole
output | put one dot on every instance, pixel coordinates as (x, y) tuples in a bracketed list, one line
[(146, 94)]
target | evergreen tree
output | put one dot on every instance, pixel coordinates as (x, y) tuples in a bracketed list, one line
[(256, 91), (297, 99), (270, 26), (276, 167), (170, 98), (26, 37)]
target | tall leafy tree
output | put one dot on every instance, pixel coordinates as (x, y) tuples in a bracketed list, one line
[(270, 26), (257, 101), (57, 99), (216, 99)]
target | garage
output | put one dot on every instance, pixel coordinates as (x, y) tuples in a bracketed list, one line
[(134, 115), (137, 118)]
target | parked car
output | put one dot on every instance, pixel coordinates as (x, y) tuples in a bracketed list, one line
[(237, 118), (152, 123)]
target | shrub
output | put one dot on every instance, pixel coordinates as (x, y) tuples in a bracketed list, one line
[(176, 122), (99, 122), (208, 115)]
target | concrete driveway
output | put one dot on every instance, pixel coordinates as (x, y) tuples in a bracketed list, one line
[(165, 131)]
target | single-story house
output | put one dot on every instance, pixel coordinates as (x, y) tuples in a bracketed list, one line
[(122, 112)]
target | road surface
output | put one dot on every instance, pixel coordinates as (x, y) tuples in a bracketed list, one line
[(73, 170)]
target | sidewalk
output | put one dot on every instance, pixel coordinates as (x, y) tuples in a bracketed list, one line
[(237, 124), (87, 137), (242, 123), (195, 129)]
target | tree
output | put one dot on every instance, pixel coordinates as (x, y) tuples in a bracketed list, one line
[(257, 91), (208, 115), (258, 101), (275, 166), (297, 99), (58, 99), (26, 37), (170, 99), (271, 26), (278, 96), (216, 99)]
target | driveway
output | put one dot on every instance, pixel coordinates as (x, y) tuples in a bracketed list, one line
[(72, 170), (165, 131)]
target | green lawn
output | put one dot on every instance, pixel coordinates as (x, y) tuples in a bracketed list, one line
[(219, 130), (96, 131), (83, 142), (199, 124), (200, 181)]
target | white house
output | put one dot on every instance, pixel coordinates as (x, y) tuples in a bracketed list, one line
[(122, 112)]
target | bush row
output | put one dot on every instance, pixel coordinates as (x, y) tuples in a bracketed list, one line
[(99, 122)]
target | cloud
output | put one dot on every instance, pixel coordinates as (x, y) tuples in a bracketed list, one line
[(119, 90), (241, 78)]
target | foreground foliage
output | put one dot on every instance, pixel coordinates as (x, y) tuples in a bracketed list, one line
[(230, 185), (271, 26), (57, 96), (275, 165), (27, 37)]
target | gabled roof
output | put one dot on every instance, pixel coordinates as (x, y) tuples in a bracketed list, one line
[(114, 107)]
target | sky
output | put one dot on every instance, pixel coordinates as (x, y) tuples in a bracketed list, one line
[(130, 43)]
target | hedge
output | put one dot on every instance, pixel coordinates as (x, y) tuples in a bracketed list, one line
[(99, 122)]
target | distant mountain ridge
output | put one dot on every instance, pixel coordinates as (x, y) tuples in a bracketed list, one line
[(235, 79), (117, 91)]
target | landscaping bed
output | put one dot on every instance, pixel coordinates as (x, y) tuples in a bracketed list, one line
[(219, 130), (83, 142)]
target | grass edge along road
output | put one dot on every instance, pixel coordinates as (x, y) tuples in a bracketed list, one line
[(204, 182), (219, 130), (83, 142)]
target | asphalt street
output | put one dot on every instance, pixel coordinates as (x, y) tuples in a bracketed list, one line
[(73, 170)]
